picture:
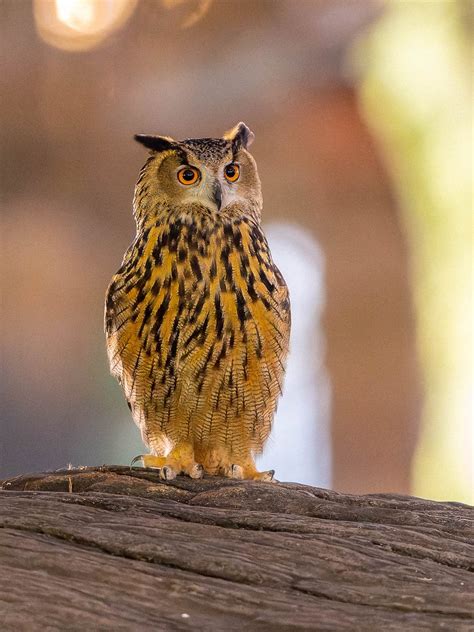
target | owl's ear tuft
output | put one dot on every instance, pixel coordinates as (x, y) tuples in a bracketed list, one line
[(155, 143), (240, 136)]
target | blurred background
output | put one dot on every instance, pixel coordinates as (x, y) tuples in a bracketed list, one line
[(363, 120)]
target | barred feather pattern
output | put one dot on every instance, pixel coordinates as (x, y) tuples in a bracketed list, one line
[(197, 323)]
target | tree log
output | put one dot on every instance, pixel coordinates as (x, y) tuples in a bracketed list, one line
[(109, 548)]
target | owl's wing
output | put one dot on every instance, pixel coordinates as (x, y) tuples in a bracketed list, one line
[(136, 307)]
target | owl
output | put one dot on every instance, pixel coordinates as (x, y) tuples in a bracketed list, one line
[(197, 318)]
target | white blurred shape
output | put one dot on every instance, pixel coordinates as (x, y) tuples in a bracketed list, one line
[(79, 15), (299, 448), (78, 25)]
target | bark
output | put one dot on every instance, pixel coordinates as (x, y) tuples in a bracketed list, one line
[(113, 549)]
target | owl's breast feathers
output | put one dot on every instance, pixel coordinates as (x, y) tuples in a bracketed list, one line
[(197, 323)]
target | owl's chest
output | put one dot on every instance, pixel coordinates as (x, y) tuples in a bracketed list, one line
[(190, 284), (199, 307), (199, 279)]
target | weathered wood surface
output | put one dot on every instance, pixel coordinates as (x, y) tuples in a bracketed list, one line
[(112, 549)]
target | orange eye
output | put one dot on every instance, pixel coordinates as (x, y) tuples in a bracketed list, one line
[(232, 172), (188, 175)]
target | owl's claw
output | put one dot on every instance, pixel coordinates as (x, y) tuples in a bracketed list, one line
[(152, 462), (168, 468), (197, 471), (139, 457), (233, 471), (267, 476), (149, 460), (238, 472), (167, 473)]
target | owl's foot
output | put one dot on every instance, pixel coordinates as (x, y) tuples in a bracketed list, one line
[(220, 461), (233, 471), (166, 472), (179, 461), (249, 473), (182, 459), (267, 476)]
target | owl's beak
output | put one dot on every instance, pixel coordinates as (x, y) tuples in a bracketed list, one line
[(217, 194)]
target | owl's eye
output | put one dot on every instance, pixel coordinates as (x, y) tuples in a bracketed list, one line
[(188, 175), (232, 172)]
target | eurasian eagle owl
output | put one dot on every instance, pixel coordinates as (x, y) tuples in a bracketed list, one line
[(198, 315)]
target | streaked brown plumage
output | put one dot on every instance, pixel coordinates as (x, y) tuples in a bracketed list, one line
[(198, 315)]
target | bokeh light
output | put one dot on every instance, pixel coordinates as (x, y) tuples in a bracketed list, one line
[(417, 96), (79, 25)]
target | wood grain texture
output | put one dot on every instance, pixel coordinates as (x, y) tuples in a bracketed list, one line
[(112, 549)]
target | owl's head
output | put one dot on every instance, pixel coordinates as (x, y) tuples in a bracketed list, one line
[(217, 173)]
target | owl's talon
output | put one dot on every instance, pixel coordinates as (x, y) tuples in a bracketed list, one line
[(265, 476), (150, 461), (233, 471), (197, 471), (135, 460), (167, 473), (237, 471)]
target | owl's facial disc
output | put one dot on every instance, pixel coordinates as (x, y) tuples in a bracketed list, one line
[(205, 172)]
